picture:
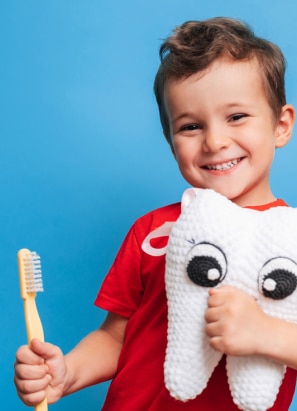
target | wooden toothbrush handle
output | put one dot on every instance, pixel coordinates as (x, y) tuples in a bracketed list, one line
[(42, 406)]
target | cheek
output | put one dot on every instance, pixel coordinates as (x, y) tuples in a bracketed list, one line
[(185, 149), (259, 141), (266, 147), (183, 157)]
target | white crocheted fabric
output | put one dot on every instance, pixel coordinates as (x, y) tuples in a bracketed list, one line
[(216, 242)]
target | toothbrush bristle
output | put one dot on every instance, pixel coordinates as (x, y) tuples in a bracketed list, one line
[(33, 275)]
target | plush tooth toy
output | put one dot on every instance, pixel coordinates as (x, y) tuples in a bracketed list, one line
[(216, 242)]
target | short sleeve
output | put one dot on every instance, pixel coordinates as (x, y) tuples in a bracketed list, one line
[(122, 289)]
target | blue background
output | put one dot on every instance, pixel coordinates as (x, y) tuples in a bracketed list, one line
[(82, 153)]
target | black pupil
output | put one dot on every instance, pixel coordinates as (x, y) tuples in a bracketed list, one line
[(286, 283), (198, 269)]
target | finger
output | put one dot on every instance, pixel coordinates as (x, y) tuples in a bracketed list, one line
[(213, 329), (25, 355), (216, 298), (222, 289), (32, 398), (213, 314), (215, 337), (217, 344), (32, 386), (219, 295), (30, 372)]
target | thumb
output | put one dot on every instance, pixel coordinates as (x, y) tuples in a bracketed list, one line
[(222, 288), (45, 350)]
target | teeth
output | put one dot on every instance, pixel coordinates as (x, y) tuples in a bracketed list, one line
[(223, 166)]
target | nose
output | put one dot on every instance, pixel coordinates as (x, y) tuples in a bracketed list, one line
[(215, 140)]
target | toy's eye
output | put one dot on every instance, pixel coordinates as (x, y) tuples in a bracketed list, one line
[(206, 265), (278, 278)]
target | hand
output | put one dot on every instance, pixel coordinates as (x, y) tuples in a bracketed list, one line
[(236, 325), (39, 371)]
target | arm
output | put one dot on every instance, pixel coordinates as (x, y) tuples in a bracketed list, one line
[(236, 325), (43, 370), (283, 342), (95, 358)]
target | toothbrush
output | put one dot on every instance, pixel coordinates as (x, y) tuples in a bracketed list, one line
[(31, 283)]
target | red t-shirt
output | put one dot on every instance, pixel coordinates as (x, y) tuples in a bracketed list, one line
[(135, 288)]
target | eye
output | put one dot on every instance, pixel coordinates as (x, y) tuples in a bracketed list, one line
[(206, 265), (237, 117), (190, 127), (278, 278)]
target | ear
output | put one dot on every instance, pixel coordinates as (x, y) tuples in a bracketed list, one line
[(285, 126)]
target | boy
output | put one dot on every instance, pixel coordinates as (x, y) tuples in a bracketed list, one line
[(221, 97)]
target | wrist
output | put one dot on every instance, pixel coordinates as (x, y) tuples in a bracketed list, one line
[(69, 380), (280, 342), (267, 341)]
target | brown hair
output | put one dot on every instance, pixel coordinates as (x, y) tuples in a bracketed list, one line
[(194, 45)]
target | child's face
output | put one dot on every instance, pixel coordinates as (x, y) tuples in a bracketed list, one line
[(223, 130)]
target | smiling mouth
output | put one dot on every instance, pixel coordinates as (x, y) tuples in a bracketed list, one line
[(223, 166)]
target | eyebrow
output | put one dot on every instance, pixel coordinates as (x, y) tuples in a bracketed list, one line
[(237, 104), (232, 105), (181, 116)]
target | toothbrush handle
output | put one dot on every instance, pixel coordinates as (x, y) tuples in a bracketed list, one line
[(34, 330), (32, 319), (42, 406)]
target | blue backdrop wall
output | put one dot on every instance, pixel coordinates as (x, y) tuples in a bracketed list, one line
[(82, 153)]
